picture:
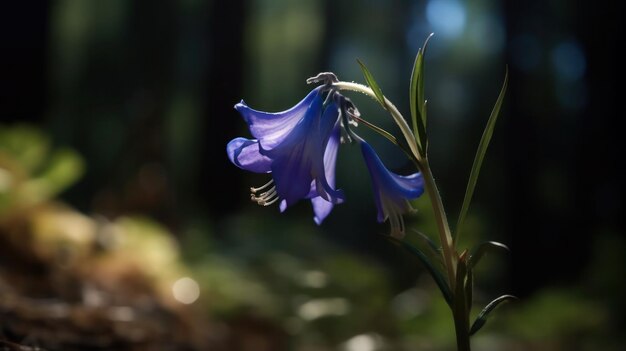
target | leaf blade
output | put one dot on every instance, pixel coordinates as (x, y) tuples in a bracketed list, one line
[(420, 88), (480, 155), (416, 97), (482, 316), (369, 78), (482, 249), (434, 248), (439, 278), (413, 91)]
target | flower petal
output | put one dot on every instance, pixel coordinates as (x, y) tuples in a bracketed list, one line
[(299, 158), (299, 147), (292, 174), (321, 209), (391, 191), (244, 153), (272, 128), (410, 186), (325, 185)]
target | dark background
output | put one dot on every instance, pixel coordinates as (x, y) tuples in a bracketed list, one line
[(145, 93)]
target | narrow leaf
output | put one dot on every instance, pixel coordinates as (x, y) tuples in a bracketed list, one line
[(418, 126), (423, 128), (372, 84), (420, 88), (480, 155), (434, 248), (416, 97), (482, 316), (435, 273), (479, 252), (380, 131)]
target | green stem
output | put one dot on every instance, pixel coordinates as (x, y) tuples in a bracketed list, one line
[(462, 304), (445, 236), (461, 328)]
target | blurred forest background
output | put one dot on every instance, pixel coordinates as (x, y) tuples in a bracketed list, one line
[(124, 226)]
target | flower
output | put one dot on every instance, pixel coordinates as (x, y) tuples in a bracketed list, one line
[(391, 191), (298, 147)]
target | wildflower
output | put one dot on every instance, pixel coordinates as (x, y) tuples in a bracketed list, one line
[(392, 192), (298, 147)]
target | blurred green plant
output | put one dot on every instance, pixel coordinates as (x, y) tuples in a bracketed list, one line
[(312, 297), (31, 170)]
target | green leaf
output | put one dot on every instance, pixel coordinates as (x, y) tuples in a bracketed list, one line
[(416, 97), (480, 155), (482, 316), (381, 132), (416, 118), (434, 248), (423, 128), (479, 252), (420, 87), (435, 273), (372, 84)]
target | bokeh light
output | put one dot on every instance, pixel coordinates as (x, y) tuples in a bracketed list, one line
[(446, 17), (186, 290)]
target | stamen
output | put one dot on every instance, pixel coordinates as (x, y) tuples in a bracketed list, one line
[(271, 201), (254, 190), (266, 198), (396, 221)]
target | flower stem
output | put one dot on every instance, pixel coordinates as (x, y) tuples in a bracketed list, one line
[(462, 333), (445, 236)]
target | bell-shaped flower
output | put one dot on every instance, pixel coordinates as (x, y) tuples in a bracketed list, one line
[(392, 192), (298, 147)]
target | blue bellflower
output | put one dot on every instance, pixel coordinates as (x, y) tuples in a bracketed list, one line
[(298, 147), (392, 192)]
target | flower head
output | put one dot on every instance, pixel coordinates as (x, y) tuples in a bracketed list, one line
[(392, 192), (298, 147)]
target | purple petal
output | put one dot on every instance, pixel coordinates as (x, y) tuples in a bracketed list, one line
[(244, 153), (391, 191), (299, 158), (272, 128), (410, 186), (299, 147), (291, 173), (321, 209), (325, 186)]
